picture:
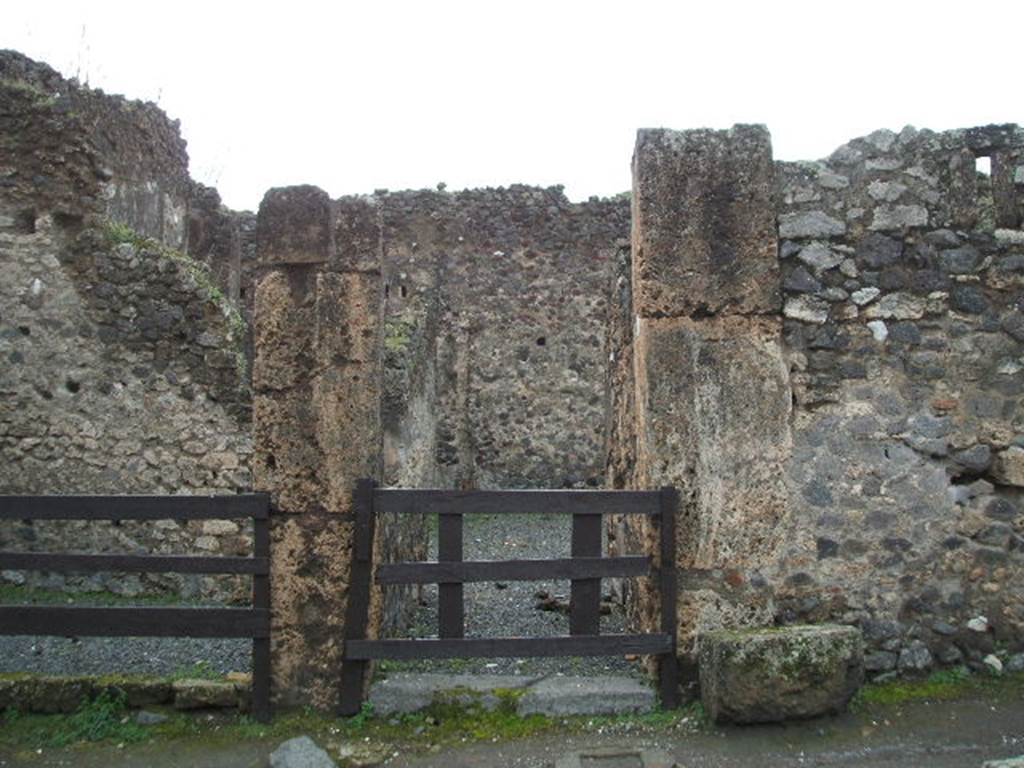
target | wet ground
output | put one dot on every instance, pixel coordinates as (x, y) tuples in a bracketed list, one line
[(933, 735)]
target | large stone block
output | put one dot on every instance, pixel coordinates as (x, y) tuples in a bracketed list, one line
[(294, 226), (283, 330), (357, 234), (286, 456), (704, 237), (770, 675), (348, 316), (713, 408), (310, 556), (347, 403)]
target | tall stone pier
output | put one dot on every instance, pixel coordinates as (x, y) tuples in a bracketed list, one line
[(316, 413), (712, 394)]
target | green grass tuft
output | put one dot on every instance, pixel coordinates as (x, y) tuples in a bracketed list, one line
[(944, 685), (117, 233), (201, 670), (104, 718)]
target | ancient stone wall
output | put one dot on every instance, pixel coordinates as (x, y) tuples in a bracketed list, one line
[(902, 271), (316, 413), (495, 335), (825, 358), (123, 362), (462, 336), (711, 400), (855, 460)]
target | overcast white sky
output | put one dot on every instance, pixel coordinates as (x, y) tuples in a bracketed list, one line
[(355, 96)]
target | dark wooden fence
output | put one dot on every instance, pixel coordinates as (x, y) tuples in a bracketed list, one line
[(253, 622), (585, 569)]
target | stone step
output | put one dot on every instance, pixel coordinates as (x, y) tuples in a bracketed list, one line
[(553, 695)]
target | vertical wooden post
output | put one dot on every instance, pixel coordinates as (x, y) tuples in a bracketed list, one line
[(585, 599), (451, 617), (261, 601), (668, 663), (357, 610)]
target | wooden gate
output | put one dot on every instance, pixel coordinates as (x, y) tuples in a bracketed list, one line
[(585, 568), (135, 621)]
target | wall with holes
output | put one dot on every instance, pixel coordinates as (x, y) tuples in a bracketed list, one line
[(495, 335), (902, 269), (122, 365), (841, 402)]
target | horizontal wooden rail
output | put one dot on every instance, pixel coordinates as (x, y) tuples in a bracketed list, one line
[(516, 502), (577, 645), (26, 561), (133, 622), (253, 505), (511, 570)]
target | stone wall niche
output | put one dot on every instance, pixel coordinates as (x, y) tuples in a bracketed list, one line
[(317, 430), (712, 392)]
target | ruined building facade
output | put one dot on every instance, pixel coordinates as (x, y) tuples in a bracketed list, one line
[(824, 357)]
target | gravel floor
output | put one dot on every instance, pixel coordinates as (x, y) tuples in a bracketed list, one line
[(510, 611), (126, 655), (490, 612)]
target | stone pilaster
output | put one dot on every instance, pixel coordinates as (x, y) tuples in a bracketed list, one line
[(712, 388), (317, 426)]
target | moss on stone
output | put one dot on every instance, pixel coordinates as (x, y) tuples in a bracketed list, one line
[(117, 233), (398, 333), (944, 685), (805, 650)]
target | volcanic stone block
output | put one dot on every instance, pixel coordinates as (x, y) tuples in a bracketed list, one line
[(316, 423), (294, 226), (713, 406), (770, 675), (1004, 195), (348, 310), (283, 330), (357, 234), (204, 694), (286, 457), (346, 399), (704, 237), (309, 571), (962, 189)]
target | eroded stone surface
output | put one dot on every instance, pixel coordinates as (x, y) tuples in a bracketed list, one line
[(295, 226), (769, 675), (703, 225), (300, 752)]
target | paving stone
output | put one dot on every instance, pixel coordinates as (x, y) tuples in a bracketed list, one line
[(204, 694), (404, 692), (617, 757), (300, 752), (586, 696)]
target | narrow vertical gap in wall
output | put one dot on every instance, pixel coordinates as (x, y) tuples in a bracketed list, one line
[(985, 193)]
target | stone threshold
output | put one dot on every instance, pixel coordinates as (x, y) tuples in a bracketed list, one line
[(553, 695)]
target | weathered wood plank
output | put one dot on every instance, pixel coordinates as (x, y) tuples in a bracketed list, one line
[(451, 610), (65, 621), (513, 570), (39, 561), (578, 645), (261, 645), (255, 505), (668, 663), (585, 597), (357, 609), (509, 502)]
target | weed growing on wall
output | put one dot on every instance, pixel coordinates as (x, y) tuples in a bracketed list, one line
[(117, 233)]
